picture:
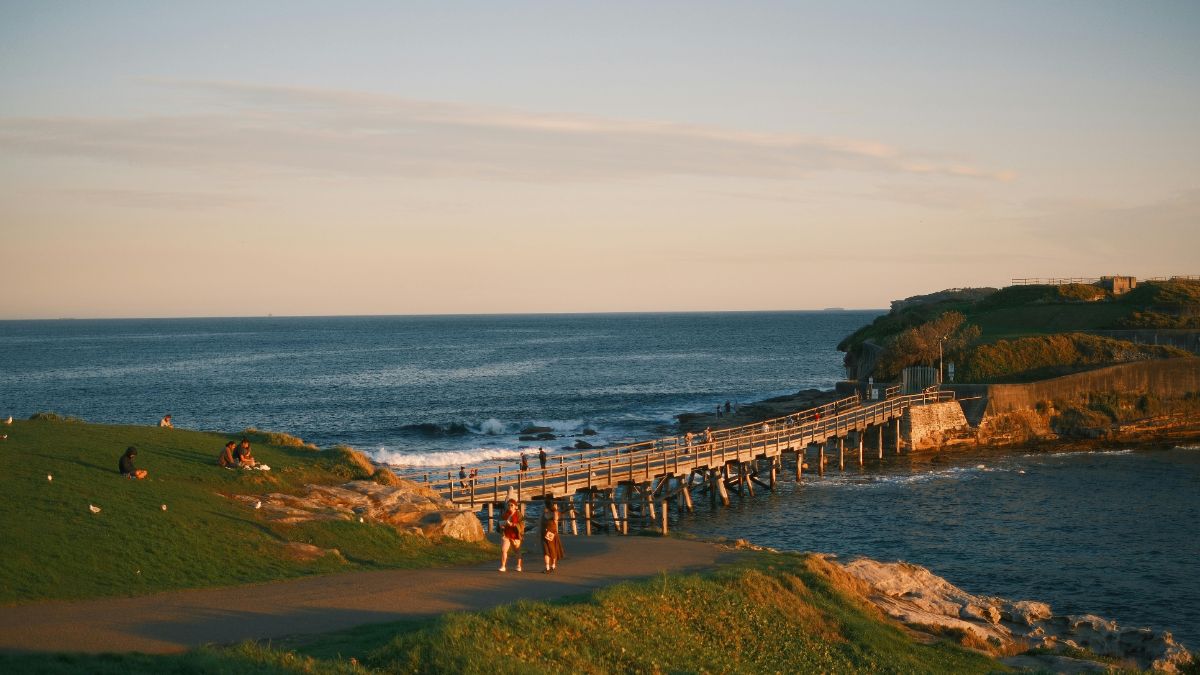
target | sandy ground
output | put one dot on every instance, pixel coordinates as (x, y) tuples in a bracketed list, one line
[(178, 620)]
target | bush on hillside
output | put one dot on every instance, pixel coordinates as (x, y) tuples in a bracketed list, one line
[(921, 345), (348, 463), (276, 438), (54, 417), (1051, 355), (1158, 320), (1174, 292)]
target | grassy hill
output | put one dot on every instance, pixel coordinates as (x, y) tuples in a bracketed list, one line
[(55, 547), (773, 613), (1017, 319)]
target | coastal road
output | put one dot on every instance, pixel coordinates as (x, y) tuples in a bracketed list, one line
[(179, 620)]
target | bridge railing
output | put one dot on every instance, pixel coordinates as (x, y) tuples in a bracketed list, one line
[(659, 444), (647, 460)]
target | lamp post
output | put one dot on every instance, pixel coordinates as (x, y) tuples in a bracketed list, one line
[(940, 343)]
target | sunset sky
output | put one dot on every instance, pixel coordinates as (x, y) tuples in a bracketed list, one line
[(312, 158)]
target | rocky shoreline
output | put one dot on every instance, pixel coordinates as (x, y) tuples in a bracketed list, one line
[(1025, 634)]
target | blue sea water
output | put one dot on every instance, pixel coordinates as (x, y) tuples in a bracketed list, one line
[(1111, 533), (424, 391)]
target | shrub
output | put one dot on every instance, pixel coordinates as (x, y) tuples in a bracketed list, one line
[(276, 438), (1049, 355), (54, 417), (349, 463), (921, 345)]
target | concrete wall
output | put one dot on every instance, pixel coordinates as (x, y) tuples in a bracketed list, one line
[(1169, 378), (929, 426)]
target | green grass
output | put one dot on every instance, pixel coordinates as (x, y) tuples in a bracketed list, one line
[(774, 613), (54, 547), (1033, 358)]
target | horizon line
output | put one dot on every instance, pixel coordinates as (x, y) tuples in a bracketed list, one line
[(446, 315)]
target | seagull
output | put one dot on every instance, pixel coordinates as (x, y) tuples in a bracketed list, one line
[(9, 420), (164, 507), (258, 504), (93, 508), (49, 477), (4, 437)]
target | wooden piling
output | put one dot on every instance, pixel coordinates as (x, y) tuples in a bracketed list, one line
[(664, 511), (841, 453), (880, 428), (587, 515), (490, 516), (719, 488), (861, 461)]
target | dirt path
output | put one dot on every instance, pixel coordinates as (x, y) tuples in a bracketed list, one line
[(179, 620)]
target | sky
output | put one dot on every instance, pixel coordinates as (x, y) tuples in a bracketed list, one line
[(346, 158)]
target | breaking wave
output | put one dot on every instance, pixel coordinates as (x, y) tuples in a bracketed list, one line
[(489, 427), (448, 458)]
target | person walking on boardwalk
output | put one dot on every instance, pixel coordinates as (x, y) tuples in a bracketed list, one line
[(510, 537), (542, 457), (552, 548), (708, 436), (687, 442), (524, 462), (462, 477)]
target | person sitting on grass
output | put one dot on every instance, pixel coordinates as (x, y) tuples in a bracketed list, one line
[(128, 470), (166, 423), (226, 459), (243, 456)]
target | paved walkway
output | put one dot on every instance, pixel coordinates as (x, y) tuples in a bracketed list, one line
[(178, 620)]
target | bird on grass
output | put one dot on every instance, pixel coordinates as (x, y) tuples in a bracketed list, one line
[(164, 507), (258, 504), (49, 476), (9, 420), (93, 508)]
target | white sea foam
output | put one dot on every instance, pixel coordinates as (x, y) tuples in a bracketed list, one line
[(868, 481), (1073, 453), (449, 458), (492, 427)]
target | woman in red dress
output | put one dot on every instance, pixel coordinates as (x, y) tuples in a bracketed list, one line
[(513, 528)]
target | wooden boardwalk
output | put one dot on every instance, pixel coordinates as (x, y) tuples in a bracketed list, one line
[(644, 475)]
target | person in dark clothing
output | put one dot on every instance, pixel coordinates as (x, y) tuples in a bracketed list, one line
[(542, 457), (244, 455), (226, 459), (462, 476), (128, 470), (524, 463)]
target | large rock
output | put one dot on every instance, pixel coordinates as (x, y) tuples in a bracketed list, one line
[(915, 596), (405, 506), (454, 524)]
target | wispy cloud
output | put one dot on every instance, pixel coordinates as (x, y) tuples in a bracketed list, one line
[(152, 199), (316, 131)]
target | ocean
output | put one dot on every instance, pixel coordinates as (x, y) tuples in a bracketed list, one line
[(1113, 533)]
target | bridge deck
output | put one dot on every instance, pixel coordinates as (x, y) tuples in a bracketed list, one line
[(607, 468)]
